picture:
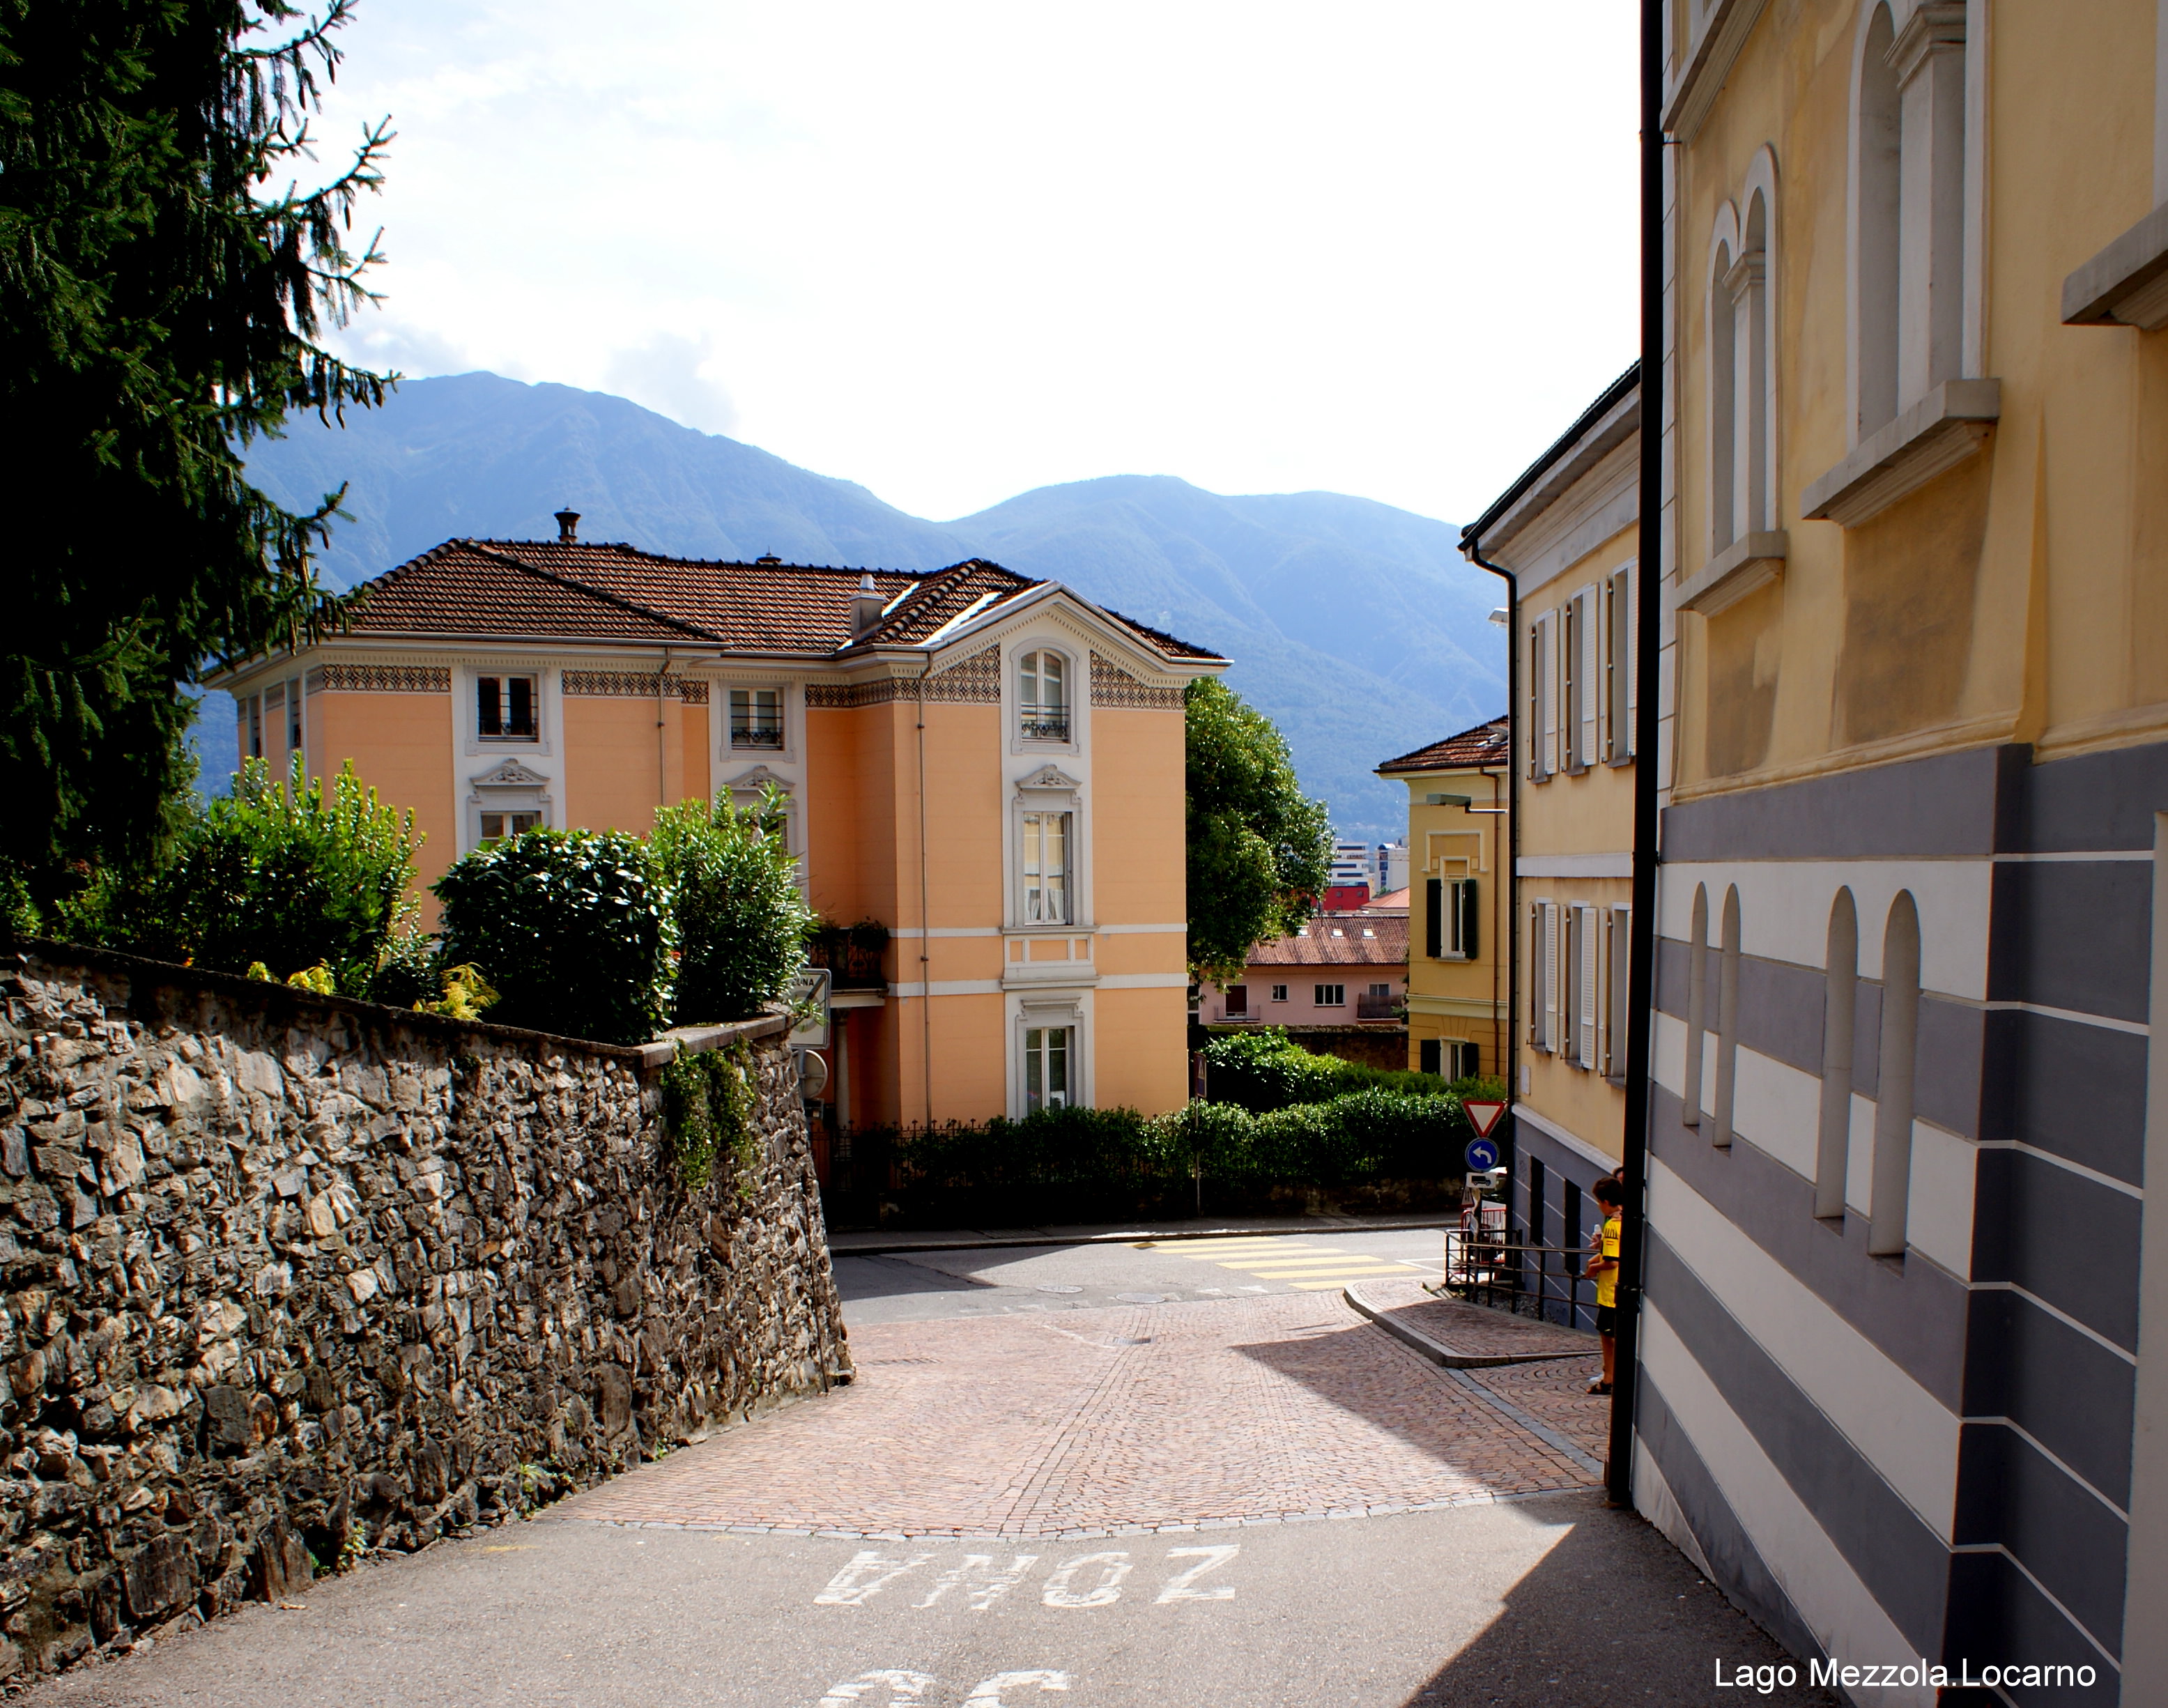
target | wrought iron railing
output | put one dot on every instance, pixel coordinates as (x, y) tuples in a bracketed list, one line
[(1494, 1262), (756, 736), (1045, 727)]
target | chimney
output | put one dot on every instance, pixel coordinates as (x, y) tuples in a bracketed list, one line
[(865, 607), (568, 527)]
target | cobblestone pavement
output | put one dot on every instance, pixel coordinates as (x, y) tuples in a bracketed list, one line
[(1103, 1421), (1474, 1331), (1555, 1393)]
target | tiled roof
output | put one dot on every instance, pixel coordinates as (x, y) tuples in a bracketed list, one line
[(1339, 940), (1484, 745), (583, 591)]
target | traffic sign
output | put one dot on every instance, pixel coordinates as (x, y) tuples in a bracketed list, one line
[(1482, 1155), (1482, 1114), (810, 986)]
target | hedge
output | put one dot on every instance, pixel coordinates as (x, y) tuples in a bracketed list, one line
[(1266, 1069)]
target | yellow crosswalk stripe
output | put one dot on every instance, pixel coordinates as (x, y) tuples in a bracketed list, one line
[(1321, 1286), (1222, 1248), (1303, 1257), (1336, 1269)]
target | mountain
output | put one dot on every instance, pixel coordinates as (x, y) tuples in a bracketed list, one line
[(1356, 627)]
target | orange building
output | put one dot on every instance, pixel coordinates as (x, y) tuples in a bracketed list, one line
[(989, 765)]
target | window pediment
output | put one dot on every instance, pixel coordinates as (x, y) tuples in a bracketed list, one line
[(1048, 779), (511, 774)]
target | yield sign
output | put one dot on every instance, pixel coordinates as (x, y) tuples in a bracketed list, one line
[(1483, 1115)]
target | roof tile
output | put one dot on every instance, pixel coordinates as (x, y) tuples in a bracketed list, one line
[(1486, 743)]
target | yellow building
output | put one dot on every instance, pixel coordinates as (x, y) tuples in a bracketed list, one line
[(1904, 1340), (1566, 533), (991, 766), (1459, 813)]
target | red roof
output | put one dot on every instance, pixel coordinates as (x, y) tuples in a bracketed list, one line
[(1366, 939), (1486, 743), (580, 590)]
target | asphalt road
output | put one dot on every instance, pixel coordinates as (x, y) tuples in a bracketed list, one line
[(1550, 1601), (925, 1285)]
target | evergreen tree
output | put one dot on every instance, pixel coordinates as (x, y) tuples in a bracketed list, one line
[(1259, 849), (162, 298)]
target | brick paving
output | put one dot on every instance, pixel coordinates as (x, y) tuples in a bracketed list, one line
[(1105, 1421), (1474, 1331), (1555, 1394)]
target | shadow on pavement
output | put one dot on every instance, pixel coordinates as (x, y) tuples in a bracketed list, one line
[(1614, 1614), (894, 1277)]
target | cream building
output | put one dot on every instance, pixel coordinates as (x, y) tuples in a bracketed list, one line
[(1567, 533), (1904, 1380)]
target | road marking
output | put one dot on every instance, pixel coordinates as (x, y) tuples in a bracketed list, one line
[(1112, 1569), (855, 1584), (1352, 1272), (982, 1586), (1178, 1586), (902, 1687)]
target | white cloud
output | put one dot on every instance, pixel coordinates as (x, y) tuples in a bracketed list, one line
[(963, 247), (664, 374)]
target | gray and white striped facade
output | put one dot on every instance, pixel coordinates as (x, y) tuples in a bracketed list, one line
[(1894, 1439)]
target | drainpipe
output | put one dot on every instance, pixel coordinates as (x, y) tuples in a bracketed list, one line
[(662, 742), (924, 906), (1509, 945), (1648, 618)]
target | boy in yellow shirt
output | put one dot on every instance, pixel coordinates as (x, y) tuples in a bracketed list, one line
[(1603, 1270)]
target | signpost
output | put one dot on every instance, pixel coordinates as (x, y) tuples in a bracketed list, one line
[(1483, 1114)]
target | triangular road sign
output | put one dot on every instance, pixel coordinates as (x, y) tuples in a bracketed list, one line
[(1483, 1115)]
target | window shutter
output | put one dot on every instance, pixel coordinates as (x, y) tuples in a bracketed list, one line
[(1434, 918), (1622, 951), (1587, 698), (1551, 946), (1536, 974), (1537, 631), (1429, 1056), (1624, 618), (1587, 1015), (1547, 646), (1469, 915)]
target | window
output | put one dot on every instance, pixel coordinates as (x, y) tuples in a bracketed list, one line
[(1043, 696), (1381, 993), (1618, 663), (497, 826), (251, 713), (1279, 993), (1430, 1054), (756, 717), (1893, 1091), (1618, 960), (1727, 1021), (1450, 917), (1741, 394), (1329, 995), (1046, 842), (293, 715), (1543, 696), (1909, 221), (1690, 1087), (1460, 1059), (1238, 1000), (504, 708), (1046, 1067), (1839, 1004)]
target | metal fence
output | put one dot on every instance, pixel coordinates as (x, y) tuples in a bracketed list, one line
[(1490, 1260)]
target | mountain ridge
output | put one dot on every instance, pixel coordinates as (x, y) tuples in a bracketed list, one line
[(1355, 626)]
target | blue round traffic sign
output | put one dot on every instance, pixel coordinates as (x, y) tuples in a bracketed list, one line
[(1482, 1153)]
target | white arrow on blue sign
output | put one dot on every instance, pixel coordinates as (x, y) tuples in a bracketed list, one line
[(1482, 1153)]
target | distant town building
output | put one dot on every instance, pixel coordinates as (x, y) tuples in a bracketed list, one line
[(1459, 927), (989, 765), (1339, 986)]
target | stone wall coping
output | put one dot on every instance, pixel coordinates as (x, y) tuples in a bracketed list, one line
[(649, 1057)]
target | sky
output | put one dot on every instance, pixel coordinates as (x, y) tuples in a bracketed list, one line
[(955, 251)]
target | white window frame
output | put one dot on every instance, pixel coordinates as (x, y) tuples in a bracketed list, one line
[(1318, 1000), (1036, 1011), (467, 710), (789, 710), (1049, 790), (1618, 701), (1076, 666), (1280, 994), (753, 743)]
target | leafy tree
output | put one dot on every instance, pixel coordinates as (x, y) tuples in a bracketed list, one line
[(279, 872), (1259, 849), (161, 303), (573, 929), (741, 923)]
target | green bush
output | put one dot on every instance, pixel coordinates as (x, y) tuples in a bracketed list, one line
[(741, 922), (1266, 1069), (278, 873), (572, 927), (707, 1109)]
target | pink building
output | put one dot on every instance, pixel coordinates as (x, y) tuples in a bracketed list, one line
[(1340, 985)]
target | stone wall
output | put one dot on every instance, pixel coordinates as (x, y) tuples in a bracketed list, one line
[(287, 1277)]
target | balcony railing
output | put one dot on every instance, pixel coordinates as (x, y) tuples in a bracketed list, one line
[(852, 954), (756, 735), (1045, 726), (1378, 1008)]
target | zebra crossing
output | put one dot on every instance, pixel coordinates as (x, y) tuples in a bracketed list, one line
[(1298, 1265)]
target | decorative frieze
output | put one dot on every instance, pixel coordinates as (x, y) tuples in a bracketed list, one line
[(632, 685), (975, 681), (1112, 686), (379, 679)]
